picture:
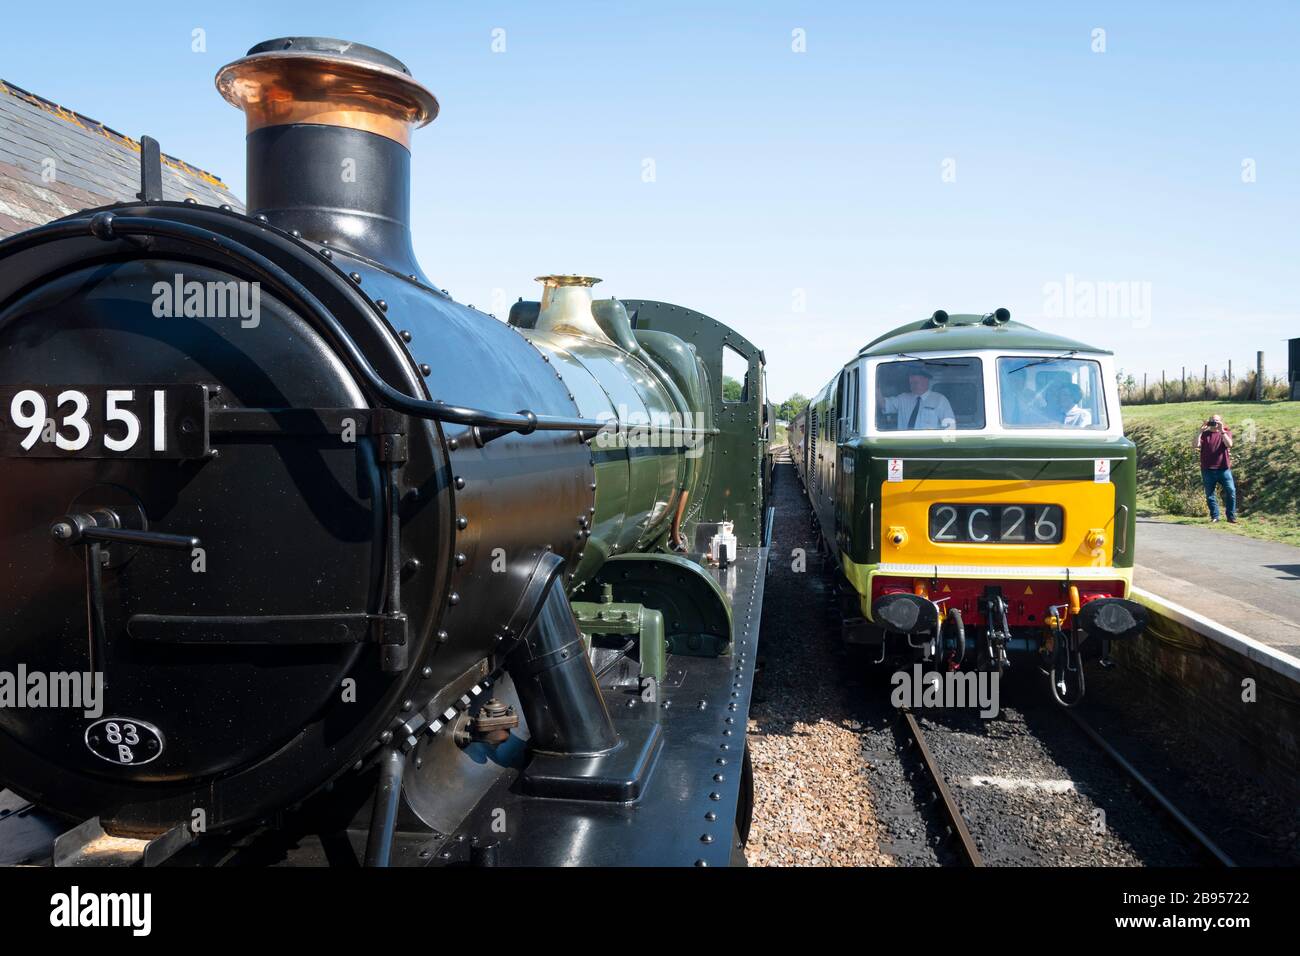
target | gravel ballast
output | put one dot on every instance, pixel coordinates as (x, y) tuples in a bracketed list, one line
[(813, 805)]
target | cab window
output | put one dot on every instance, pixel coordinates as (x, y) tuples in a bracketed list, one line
[(849, 401), (930, 394), (735, 376), (1051, 393)]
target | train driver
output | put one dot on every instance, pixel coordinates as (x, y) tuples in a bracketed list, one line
[(1064, 400), (919, 407)]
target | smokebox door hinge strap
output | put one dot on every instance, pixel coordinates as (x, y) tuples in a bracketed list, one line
[(388, 629), (307, 422)]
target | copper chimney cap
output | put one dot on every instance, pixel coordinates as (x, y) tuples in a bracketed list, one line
[(319, 80)]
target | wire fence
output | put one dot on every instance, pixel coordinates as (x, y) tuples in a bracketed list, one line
[(1199, 385)]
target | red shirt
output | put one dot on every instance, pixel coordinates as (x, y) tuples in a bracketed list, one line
[(1214, 450)]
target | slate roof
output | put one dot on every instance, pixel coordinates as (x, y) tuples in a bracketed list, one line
[(55, 162)]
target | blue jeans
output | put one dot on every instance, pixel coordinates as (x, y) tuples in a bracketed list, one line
[(1220, 476)]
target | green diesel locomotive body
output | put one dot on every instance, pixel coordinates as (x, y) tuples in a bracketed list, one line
[(971, 473)]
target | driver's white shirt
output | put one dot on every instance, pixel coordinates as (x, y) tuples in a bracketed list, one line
[(936, 410), (1078, 417)]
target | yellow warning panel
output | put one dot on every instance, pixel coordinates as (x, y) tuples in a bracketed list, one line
[(1087, 506)]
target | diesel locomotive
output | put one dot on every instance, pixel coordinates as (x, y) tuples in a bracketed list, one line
[(364, 574), (971, 478)]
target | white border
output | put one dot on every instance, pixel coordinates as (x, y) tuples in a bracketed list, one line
[(1250, 648), (1014, 571)]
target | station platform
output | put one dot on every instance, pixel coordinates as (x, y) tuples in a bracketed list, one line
[(1247, 585)]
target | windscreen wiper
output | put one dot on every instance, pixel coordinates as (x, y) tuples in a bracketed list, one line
[(926, 361), (1041, 361)]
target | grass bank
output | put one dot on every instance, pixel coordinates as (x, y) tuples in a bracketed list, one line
[(1265, 464)]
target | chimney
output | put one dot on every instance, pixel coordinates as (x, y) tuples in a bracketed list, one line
[(329, 134)]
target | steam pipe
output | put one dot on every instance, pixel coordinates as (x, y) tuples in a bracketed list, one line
[(557, 688), (675, 537), (383, 814)]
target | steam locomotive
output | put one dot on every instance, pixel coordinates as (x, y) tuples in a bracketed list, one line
[(364, 574), (971, 478)]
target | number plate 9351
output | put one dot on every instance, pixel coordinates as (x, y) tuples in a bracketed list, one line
[(996, 524), (104, 421)]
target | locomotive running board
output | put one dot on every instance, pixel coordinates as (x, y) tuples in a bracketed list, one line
[(27, 831)]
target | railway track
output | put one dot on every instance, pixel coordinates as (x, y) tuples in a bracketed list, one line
[(1180, 819), (957, 825)]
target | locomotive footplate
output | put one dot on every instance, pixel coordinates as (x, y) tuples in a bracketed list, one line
[(687, 813)]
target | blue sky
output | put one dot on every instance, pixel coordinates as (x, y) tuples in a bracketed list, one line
[(916, 156)]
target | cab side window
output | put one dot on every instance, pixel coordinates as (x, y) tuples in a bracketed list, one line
[(849, 404), (735, 376), (855, 403)]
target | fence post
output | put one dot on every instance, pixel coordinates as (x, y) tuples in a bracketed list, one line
[(1145, 396), (1229, 379), (1164, 387), (1184, 383), (1205, 383), (1259, 376)]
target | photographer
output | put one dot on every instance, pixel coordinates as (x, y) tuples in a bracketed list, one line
[(1214, 442)]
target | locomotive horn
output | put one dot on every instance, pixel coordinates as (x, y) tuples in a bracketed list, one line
[(329, 132)]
